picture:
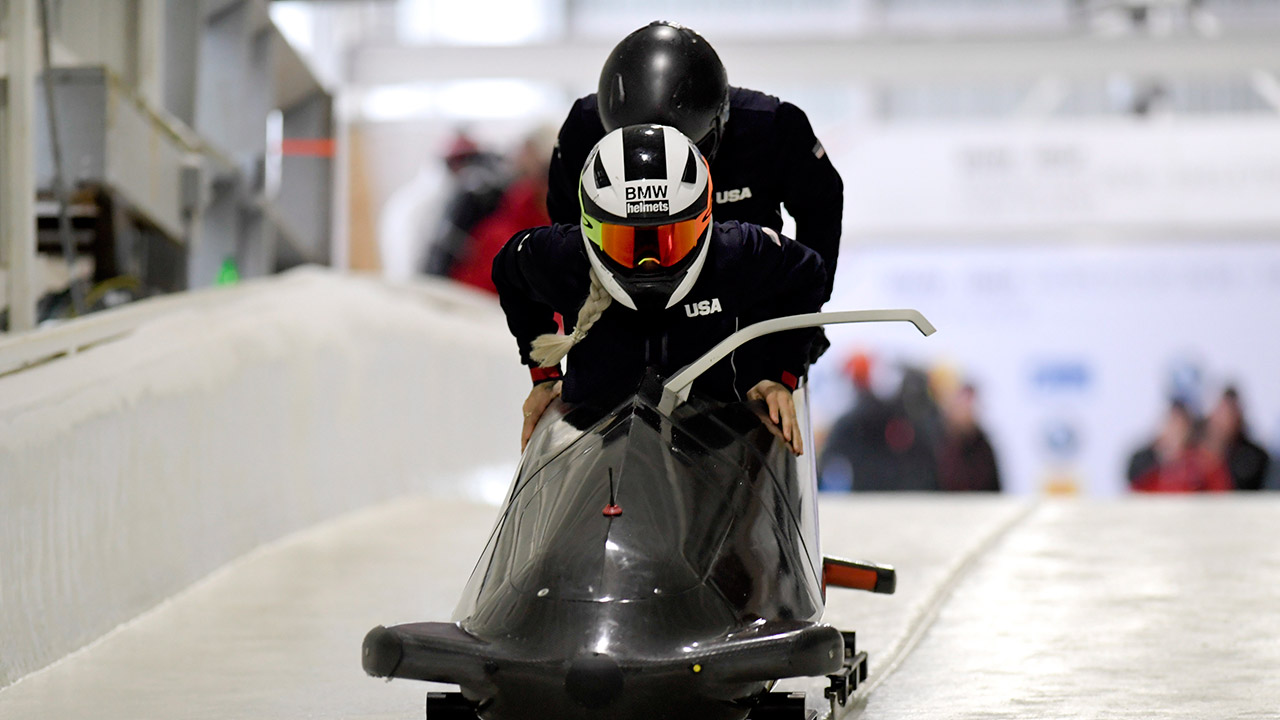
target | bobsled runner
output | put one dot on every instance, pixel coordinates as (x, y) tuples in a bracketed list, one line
[(657, 559)]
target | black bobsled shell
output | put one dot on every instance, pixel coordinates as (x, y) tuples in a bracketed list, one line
[(432, 651), (688, 601), (690, 511)]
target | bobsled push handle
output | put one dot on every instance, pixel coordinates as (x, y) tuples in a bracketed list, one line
[(676, 389)]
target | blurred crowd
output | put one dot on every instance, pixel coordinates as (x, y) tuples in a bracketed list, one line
[(1213, 453), (923, 436)]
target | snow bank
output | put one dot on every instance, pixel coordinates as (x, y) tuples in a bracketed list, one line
[(130, 470)]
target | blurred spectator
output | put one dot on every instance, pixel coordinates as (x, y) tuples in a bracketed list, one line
[(479, 181), (522, 206), (1175, 461), (1226, 437), (1273, 475), (915, 432), (966, 460), (883, 445), (855, 446)]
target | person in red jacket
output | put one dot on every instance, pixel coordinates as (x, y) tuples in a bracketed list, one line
[(1176, 462), (521, 205)]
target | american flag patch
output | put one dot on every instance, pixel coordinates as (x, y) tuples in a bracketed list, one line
[(819, 151)]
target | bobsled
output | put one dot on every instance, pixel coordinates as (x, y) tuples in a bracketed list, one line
[(655, 559)]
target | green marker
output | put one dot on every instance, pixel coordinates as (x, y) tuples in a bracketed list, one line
[(228, 274)]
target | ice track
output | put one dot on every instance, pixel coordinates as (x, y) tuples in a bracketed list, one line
[(184, 432), (1144, 608)]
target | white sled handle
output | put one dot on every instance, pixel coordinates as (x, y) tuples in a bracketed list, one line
[(676, 390)]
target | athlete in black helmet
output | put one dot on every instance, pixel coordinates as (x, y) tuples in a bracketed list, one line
[(763, 151)]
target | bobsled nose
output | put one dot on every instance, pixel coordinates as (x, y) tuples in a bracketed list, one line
[(594, 681)]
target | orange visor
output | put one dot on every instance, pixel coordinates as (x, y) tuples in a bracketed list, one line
[(652, 246)]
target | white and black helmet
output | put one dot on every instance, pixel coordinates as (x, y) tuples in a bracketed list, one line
[(645, 193)]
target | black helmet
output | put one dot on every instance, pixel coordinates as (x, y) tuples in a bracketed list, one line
[(666, 74)]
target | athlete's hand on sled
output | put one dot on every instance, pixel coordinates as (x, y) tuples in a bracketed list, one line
[(782, 411), (539, 398)]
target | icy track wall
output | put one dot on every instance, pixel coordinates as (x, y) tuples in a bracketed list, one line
[(132, 469)]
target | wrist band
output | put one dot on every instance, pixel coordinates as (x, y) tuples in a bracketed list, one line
[(547, 374)]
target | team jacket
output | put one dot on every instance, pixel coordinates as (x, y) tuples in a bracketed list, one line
[(751, 274), (769, 157)]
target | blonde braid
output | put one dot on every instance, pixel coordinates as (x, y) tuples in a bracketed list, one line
[(549, 349)]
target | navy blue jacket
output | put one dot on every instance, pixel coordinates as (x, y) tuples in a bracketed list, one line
[(749, 275), (769, 157)]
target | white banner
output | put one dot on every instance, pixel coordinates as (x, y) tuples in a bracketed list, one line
[(1157, 173)]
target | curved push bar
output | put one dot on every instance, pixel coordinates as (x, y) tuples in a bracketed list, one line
[(676, 390)]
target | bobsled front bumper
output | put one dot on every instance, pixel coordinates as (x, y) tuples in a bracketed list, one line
[(706, 674)]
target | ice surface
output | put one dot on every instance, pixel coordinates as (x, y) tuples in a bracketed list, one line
[(1147, 608), (136, 467), (277, 635), (133, 469), (1144, 608)]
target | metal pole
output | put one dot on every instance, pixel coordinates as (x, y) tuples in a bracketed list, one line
[(20, 171), (340, 191), (59, 179)]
